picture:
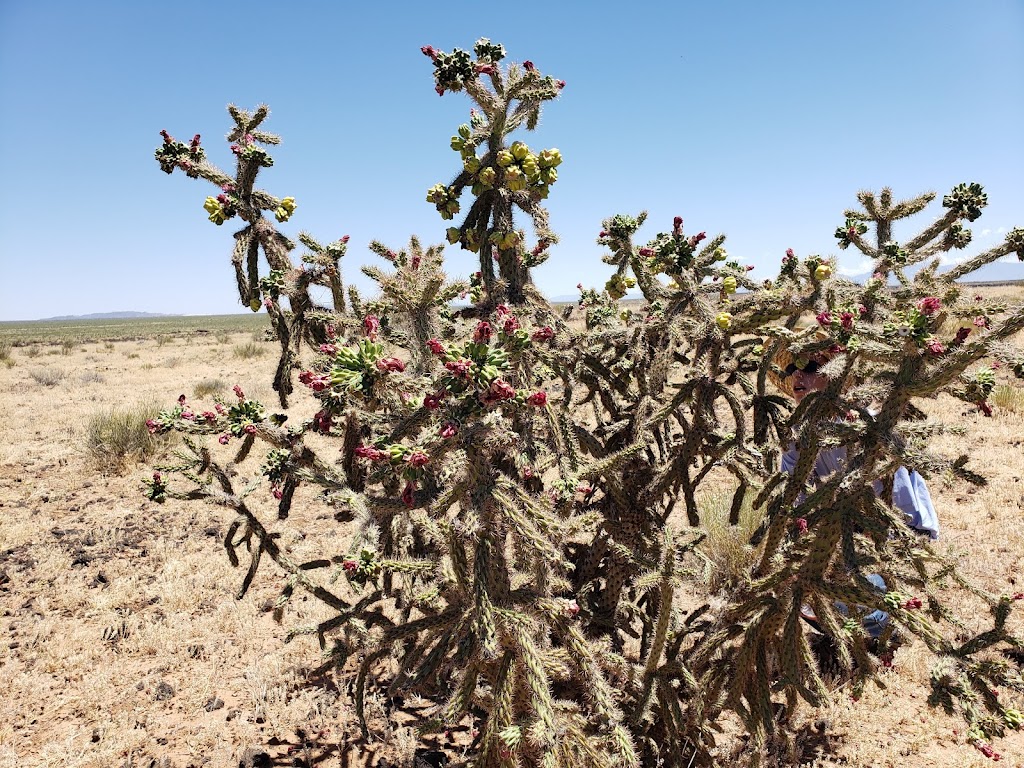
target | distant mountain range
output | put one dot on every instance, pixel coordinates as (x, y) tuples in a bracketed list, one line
[(106, 316)]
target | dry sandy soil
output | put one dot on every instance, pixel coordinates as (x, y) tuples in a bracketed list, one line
[(124, 644)]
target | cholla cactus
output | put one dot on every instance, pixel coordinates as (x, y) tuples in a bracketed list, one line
[(512, 479)]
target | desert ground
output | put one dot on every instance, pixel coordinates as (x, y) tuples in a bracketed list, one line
[(125, 645)]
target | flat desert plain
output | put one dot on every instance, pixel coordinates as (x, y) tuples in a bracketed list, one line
[(124, 644)]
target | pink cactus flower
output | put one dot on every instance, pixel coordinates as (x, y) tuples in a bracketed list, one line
[(238, 392), (980, 321), (913, 604), (436, 346), (329, 349), (801, 525), (560, 84), (344, 238), (209, 416), (250, 429), (677, 222), (485, 69), (187, 415), (538, 399), (483, 332), (156, 477), (408, 495), (276, 491), (824, 318), (602, 233), (498, 391), (571, 608), (433, 402), (418, 458), (152, 426), (935, 347), (647, 252), (371, 325), (448, 429), (323, 421), (371, 453), (528, 66), (846, 320), (544, 334), (510, 325), (789, 254), (349, 565), (390, 365), (224, 439), (219, 408), (929, 305), (459, 368)]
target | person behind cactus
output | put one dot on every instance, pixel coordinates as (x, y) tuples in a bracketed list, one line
[(802, 376)]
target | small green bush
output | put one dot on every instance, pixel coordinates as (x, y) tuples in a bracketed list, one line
[(223, 337), (118, 437), (67, 346), (5, 353), (33, 350), (249, 350)]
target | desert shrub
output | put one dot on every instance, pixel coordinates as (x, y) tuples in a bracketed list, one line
[(33, 350), (5, 353), (163, 340), (223, 337), (515, 480), (108, 346), (209, 387), (91, 377), (68, 346), (119, 437), (48, 377), (1008, 398), (249, 350)]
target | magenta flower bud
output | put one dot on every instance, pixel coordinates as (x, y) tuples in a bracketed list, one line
[(156, 477), (168, 139), (538, 399), (152, 426), (801, 525), (846, 320), (560, 84), (929, 305), (935, 347), (511, 325), (439, 90), (485, 69), (224, 439), (429, 50), (349, 565), (319, 383), (483, 332), (408, 497), (544, 334), (789, 253), (677, 222), (238, 392), (219, 408), (250, 429), (436, 346), (390, 365), (328, 349), (323, 420), (824, 318), (602, 233), (418, 458), (344, 238), (209, 416), (181, 399), (647, 252), (980, 321), (448, 429), (236, 149), (371, 325), (528, 66)]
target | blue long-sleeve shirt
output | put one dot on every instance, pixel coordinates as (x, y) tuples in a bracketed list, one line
[(909, 492)]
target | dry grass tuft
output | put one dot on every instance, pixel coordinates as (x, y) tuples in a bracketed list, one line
[(1008, 398), (5, 353), (48, 377), (249, 350), (117, 438), (208, 388), (726, 551)]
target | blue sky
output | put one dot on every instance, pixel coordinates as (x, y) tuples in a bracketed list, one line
[(759, 120)]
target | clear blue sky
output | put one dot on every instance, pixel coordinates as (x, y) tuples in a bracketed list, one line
[(759, 120)]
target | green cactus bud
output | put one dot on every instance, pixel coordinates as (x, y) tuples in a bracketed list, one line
[(823, 272), (723, 320), (457, 144), (729, 284), (519, 150), (453, 235), (487, 176), (471, 164), (465, 131)]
